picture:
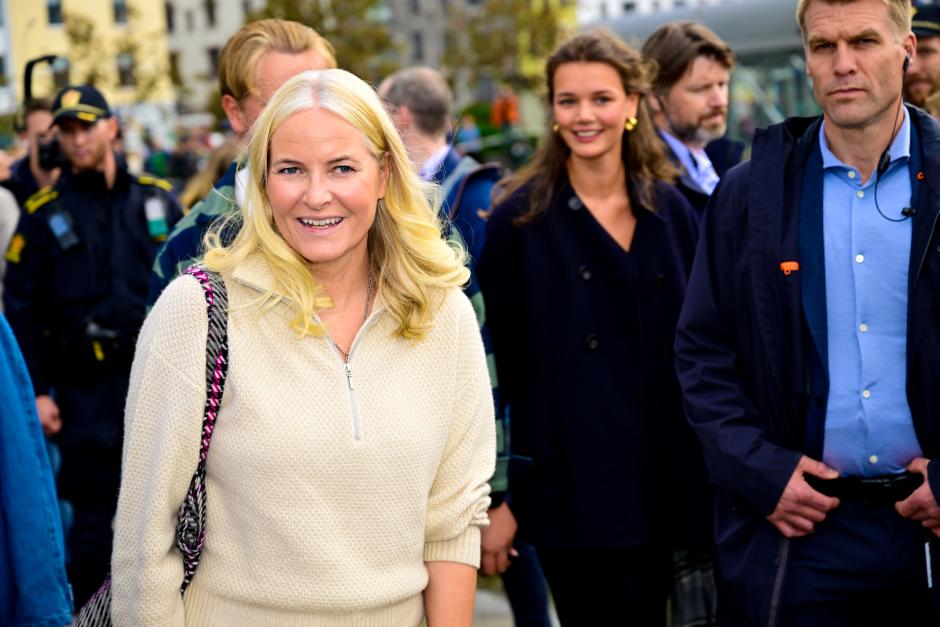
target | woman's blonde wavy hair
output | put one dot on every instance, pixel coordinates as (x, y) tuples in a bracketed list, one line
[(411, 260)]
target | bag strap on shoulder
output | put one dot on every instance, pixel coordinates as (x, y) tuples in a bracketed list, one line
[(191, 527)]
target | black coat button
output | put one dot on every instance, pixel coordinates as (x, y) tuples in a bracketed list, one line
[(585, 273), (592, 342), (574, 203), (659, 280)]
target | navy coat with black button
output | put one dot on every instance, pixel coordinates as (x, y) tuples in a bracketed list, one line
[(751, 339), (55, 286), (582, 335)]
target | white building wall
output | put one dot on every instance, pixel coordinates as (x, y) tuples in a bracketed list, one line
[(193, 40), (593, 11), (8, 91)]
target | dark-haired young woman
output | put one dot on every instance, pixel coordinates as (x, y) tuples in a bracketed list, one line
[(583, 274)]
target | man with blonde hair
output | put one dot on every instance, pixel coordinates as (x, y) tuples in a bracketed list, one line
[(254, 63), (809, 343)]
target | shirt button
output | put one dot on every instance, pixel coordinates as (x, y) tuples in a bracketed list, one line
[(859, 258), (863, 328), (574, 203), (593, 342), (585, 273), (866, 393), (851, 174), (860, 194), (873, 459)]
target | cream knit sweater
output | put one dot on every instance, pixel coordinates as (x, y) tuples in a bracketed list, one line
[(324, 502)]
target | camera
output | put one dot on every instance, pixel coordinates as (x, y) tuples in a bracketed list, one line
[(51, 155)]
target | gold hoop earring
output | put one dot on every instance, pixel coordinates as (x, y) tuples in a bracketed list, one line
[(630, 124), (555, 127)]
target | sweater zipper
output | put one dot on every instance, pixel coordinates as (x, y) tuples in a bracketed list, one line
[(347, 368), (354, 405)]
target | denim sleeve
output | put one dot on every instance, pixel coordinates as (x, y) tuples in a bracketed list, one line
[(33, 586)]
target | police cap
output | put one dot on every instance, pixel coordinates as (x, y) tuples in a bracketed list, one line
[(80, 102), (926, 21)]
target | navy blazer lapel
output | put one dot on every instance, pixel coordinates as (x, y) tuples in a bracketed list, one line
[(812, 252), (766, 202), (924, 269)]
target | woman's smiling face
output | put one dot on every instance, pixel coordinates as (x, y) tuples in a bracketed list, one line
[(590, 107), (323, 185)]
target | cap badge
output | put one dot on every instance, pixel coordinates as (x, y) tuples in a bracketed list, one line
[(71, 98)]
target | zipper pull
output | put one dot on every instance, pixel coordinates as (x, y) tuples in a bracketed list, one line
[(349, 377)]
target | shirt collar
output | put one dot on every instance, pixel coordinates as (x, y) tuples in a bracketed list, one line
[(900, 148), (433, 163), (682, 151)]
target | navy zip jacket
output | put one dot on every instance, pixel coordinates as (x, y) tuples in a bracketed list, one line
[(751, 337)]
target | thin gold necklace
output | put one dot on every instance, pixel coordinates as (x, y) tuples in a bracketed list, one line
[(365, 316)]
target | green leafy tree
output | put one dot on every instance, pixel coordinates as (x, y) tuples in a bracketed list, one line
[(356, 28), (92, 56), (492, 41)]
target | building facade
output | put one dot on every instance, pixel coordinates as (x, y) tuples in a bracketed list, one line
[(119, 45), (593, 11), (197, 31)]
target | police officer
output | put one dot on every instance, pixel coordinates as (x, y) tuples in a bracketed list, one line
[(74, 293), (923, 71)]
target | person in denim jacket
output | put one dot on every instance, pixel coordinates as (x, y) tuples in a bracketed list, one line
[(33, 587)]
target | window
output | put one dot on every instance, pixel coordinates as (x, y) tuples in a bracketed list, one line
[(417, 45), (190, 21), (125, 63), (629, 7), (246, 7), (209, 6), (169, 16), (603, 10), (120, 11), (54, 9), (213, 60)]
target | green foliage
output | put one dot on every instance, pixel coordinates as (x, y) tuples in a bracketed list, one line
[(481, 116), (7, 134), (491, 41), (93, 57), (363, 43)]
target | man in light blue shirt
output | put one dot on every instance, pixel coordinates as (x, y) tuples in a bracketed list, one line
[(867, 244), (809, 344)]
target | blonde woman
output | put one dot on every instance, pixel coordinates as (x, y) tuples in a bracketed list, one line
[(347, 479)]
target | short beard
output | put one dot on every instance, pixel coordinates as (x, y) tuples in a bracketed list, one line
[(696, 134)]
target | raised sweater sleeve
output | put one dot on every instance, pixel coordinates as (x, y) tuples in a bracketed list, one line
[(459, 495), (163, 420)]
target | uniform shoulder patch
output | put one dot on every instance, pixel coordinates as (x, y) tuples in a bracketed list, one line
[(147, 179), (40, 198), (15, 249)]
